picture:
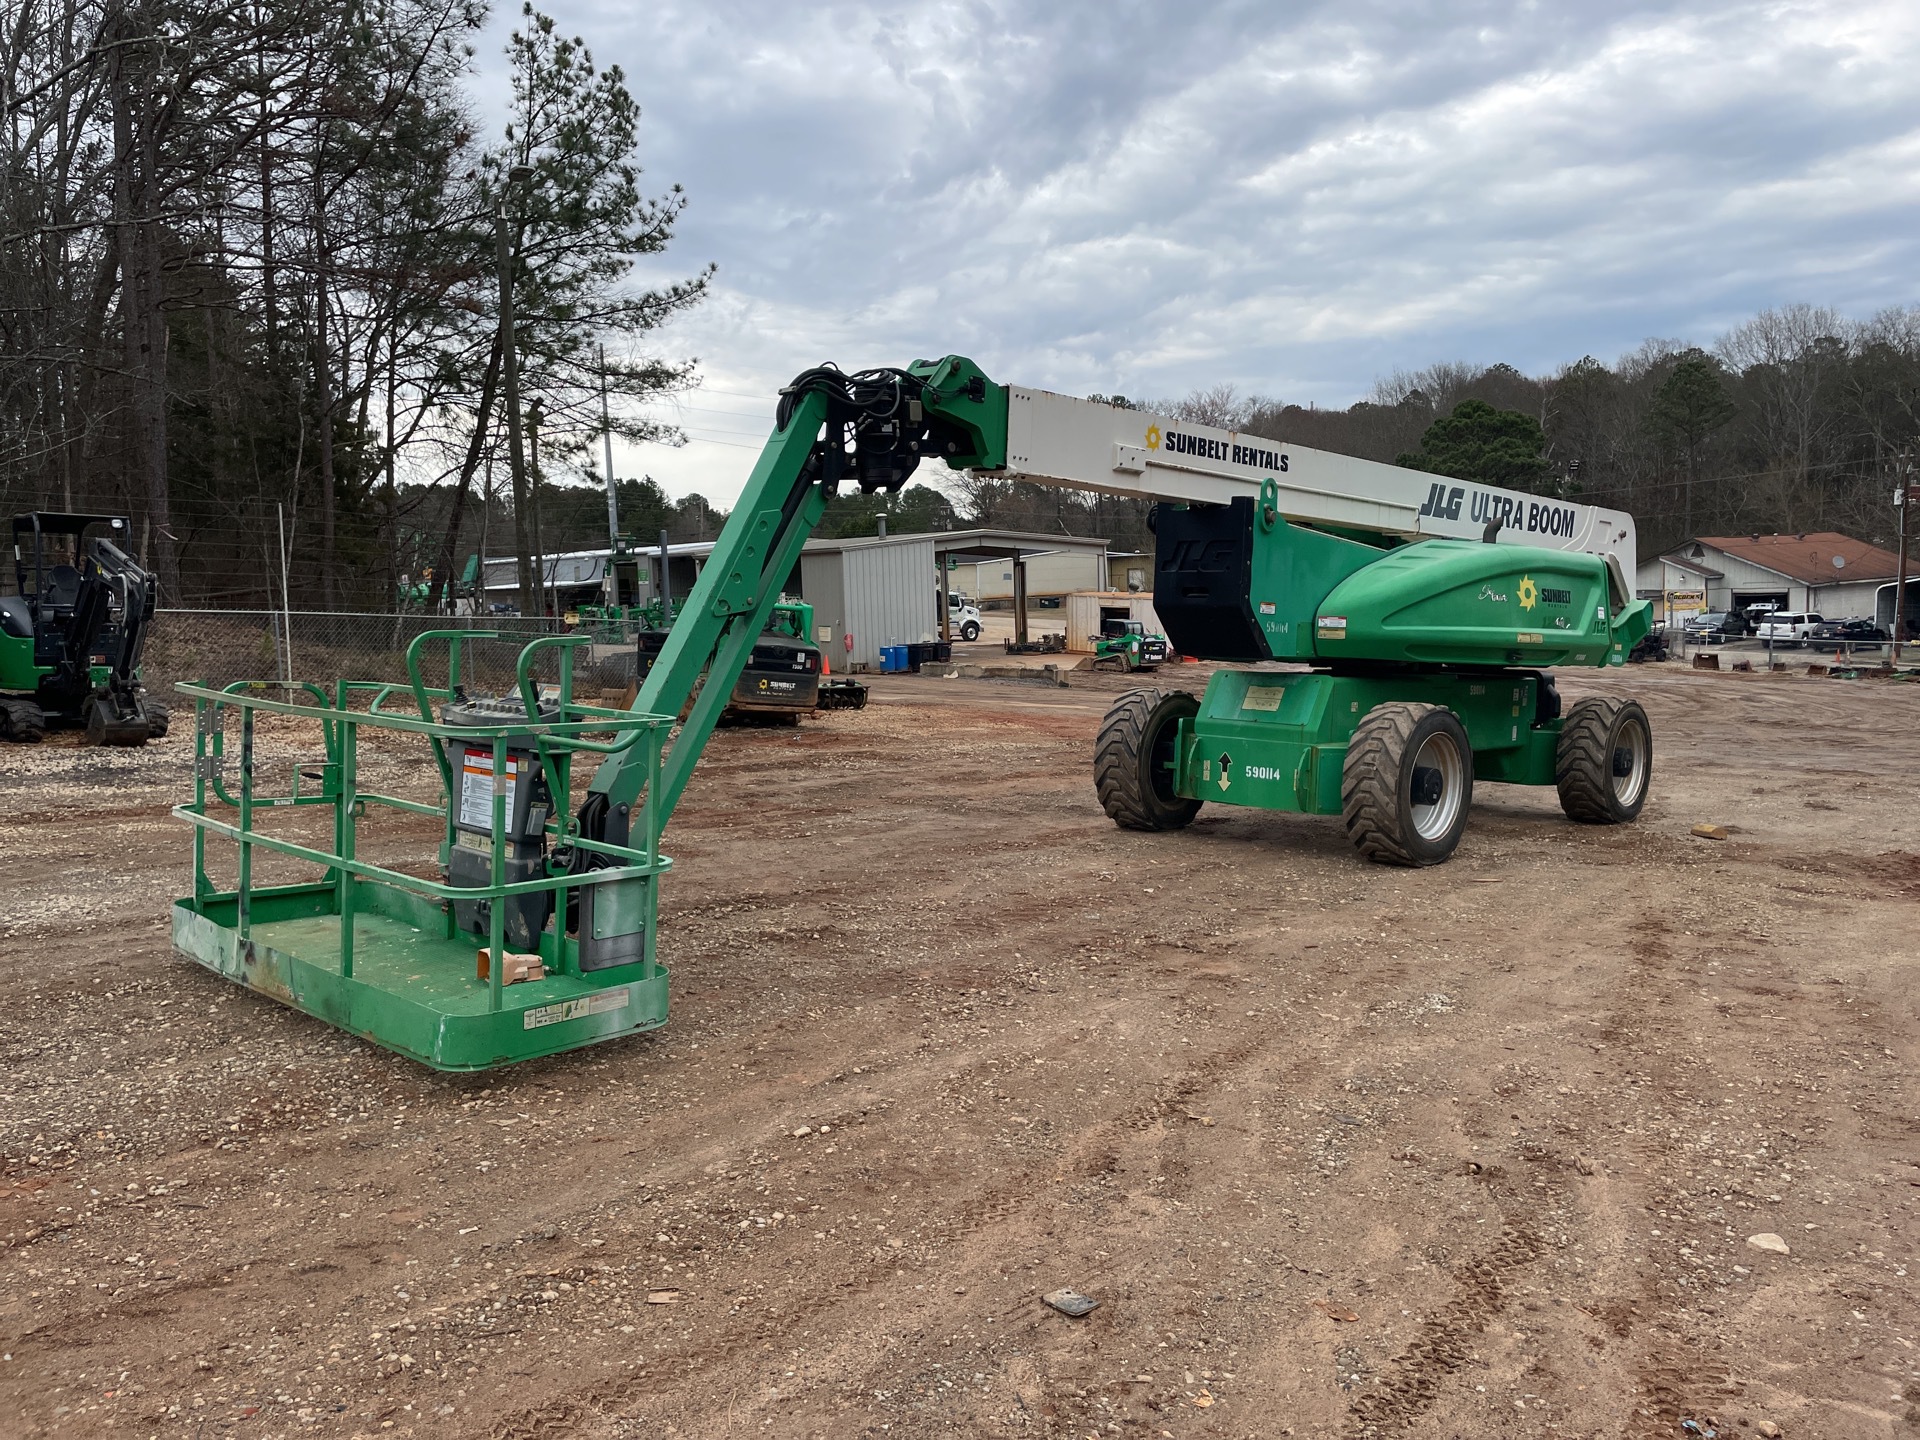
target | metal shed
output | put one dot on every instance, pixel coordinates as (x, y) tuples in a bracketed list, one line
[(878, 590), (1086, 609)]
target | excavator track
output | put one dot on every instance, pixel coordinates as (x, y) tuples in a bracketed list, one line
[(22, 721)]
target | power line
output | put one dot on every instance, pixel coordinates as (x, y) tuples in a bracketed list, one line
[(698, 439), (766, 413)]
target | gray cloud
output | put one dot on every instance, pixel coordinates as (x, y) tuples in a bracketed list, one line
[(1154, 197)]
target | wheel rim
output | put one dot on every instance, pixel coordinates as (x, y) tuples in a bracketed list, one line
[(1162, 759), (1439, 753), (1632, 750)]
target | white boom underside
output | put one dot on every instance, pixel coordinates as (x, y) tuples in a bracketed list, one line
[(1059, 440)]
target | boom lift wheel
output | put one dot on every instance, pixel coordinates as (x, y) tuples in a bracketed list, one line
[(1604, 761), (157, 719), (1135, 756), (1407, 784)]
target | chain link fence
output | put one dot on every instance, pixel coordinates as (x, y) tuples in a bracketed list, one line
[(221, 646)]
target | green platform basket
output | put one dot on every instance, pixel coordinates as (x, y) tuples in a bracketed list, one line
[(376, 951)]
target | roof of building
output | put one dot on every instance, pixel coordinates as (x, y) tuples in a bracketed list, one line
[(1682, 562), (575, 569), (1810, 558), (965, 545)]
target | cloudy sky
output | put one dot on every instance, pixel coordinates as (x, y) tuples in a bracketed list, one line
[(1150, 198)]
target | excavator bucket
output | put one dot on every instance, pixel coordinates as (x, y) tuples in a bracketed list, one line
[(116, 720)]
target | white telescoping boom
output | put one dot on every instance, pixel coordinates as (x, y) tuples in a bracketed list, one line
[(1059, 440)]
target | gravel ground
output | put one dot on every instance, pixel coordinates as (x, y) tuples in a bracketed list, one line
[(1340, 1150)]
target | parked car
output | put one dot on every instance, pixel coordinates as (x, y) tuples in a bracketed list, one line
[(1789, 627), (1855, 631), (1716, 627)]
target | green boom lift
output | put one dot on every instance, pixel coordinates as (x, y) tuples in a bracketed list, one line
[(1420, 650)]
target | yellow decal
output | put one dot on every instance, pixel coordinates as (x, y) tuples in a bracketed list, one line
[(1153, 437), (1528, 638), (1529, 593)]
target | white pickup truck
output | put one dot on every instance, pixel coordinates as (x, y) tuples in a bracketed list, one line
[(1787, 627)]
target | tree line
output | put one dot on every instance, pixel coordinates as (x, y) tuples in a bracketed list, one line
[(266, 285), (254, 263)]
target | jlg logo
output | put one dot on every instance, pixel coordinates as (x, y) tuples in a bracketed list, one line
[(1200, 556), (1442, 503)]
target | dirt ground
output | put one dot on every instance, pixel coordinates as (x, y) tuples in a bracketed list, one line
[(1340, 1150)]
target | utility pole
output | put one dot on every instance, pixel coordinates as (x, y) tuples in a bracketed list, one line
[(517, 179), (480, 605), (613, 500), (540, 569), (1903, 501)]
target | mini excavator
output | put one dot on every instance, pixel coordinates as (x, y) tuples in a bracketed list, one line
[(72, 632)]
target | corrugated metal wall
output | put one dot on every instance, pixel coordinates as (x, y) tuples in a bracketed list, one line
[(889, 592), (824, 587)]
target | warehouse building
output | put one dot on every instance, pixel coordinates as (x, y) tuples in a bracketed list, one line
[(1130, 570), (1822, 571), (1050, 573)]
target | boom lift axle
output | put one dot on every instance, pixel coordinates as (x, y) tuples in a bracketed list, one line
[(1421, 657)]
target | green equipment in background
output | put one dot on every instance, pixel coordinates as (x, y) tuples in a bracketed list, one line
[(72, 633), (1126, 645)]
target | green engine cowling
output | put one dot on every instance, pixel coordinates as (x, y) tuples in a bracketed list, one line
[(1454, 602)]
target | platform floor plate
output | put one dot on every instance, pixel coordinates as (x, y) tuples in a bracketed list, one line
[(412, 991)]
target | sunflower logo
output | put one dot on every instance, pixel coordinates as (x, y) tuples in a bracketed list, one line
[(1529, 593), (1153, 437)]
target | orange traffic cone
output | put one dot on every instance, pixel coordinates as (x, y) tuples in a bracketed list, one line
[(826, 663)]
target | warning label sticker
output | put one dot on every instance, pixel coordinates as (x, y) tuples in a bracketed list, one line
[(575, 1009), (476, 788), (1262, 697)]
